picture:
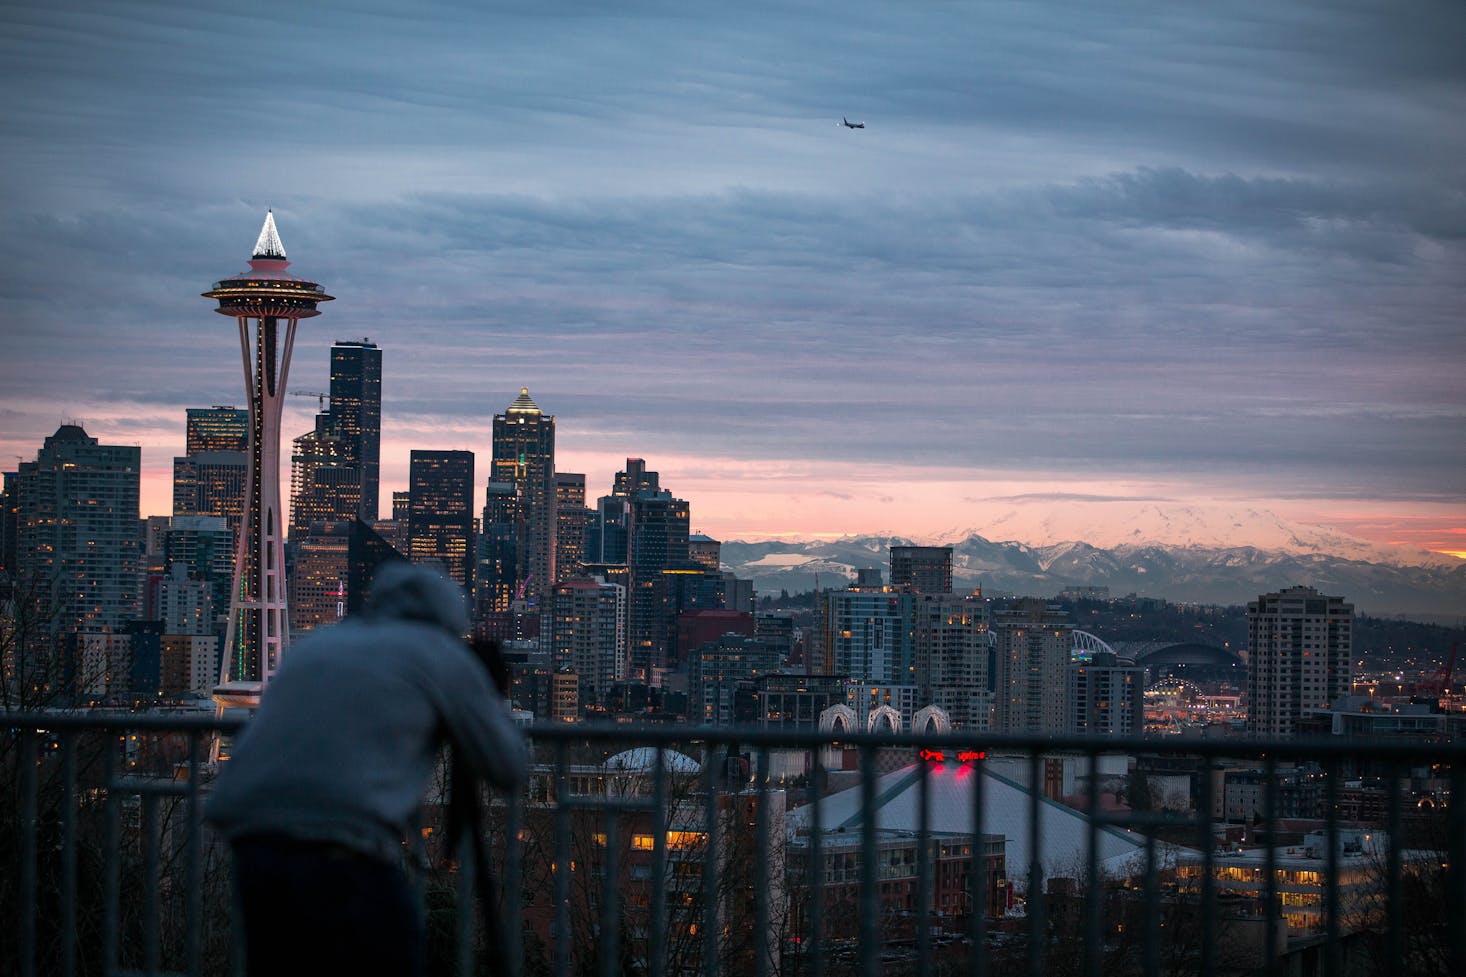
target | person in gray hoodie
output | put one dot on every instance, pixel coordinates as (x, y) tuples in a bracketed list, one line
[(328, 778)]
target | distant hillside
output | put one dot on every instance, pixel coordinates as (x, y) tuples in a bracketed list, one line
[(1188, 574)]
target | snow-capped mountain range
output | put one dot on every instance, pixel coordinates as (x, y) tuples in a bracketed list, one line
[(1207, 557)]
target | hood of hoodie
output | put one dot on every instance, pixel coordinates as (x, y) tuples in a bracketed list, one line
[(407, 592)]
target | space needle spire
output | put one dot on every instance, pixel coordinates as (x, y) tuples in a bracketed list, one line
[(267, 304)]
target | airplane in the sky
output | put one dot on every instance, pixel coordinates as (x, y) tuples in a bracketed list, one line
[(852, 125)]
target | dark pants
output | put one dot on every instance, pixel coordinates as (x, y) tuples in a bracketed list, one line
[(315, 909)]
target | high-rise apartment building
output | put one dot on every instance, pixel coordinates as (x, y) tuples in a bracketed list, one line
[(440, 512), (1033, 644), (867, 635), (587, 634), (1106, 695), (1299, 647), (922, 569), (524, 456), (77, 541), (952, 647)]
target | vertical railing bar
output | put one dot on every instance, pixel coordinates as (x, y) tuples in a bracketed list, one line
[(152, 922), (562, 863), (762, 880), (869, 877), (710, 890), (656, 949), (978, 871), (1037, 928), (610, 902), (1333, 957), (112, 856), (69, 815), (1152, 955), (1207, 841), (1270, 905), (814, 947), (29, 890), (1394, 917), (511, 919), (464, 890), (1094, 941), (194, 811), (923, 914), (1456, 874)]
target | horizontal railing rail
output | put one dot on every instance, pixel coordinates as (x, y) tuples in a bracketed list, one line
[(670, 851)]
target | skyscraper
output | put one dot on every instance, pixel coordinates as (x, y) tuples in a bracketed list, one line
[(212, 476), (572, 519), (216, 429), (356, 413), (587, 633), (1034, 640), (325, 478), (335, 469), (440, 512), (524, 456), (922, 569), (268, 304), (77, 545), (951, 645), (1300, 644), (867, 635), (656, 542)]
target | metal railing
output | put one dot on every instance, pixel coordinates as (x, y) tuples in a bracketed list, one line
[(666, 852)]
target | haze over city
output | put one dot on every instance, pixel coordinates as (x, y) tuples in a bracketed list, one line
[(1100, 263)]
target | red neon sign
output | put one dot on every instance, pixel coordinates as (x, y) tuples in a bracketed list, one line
[(939, 756)]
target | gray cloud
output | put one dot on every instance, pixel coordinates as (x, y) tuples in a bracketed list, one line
[(1161, 241)]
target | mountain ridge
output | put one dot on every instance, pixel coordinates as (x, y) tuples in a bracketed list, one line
[(1185, 573)]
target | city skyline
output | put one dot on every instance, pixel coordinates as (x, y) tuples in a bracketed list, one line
[(1189, 260)]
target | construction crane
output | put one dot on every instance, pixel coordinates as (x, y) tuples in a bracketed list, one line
[(1444, 680), (320, 396)]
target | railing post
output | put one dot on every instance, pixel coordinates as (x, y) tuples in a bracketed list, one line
[(1037, 925), (978, 871), (26, 760), (869, 876)]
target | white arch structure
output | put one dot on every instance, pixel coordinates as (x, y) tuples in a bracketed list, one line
[(1090, 643), (883, 716), (841, 716), (931, 719)]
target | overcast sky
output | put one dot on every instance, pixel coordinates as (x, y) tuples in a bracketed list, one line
[(1081, 252)]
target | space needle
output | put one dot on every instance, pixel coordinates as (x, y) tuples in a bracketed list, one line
[(267, 303)]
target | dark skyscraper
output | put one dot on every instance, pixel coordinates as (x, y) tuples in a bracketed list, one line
[(922, 569), (656, 541), (440, 512), (524, 456), (216, 429), (571, 521), (211, 477), (356, 413), (335, 469)]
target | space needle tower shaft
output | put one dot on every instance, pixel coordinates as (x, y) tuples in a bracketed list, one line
[(267, 304)]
